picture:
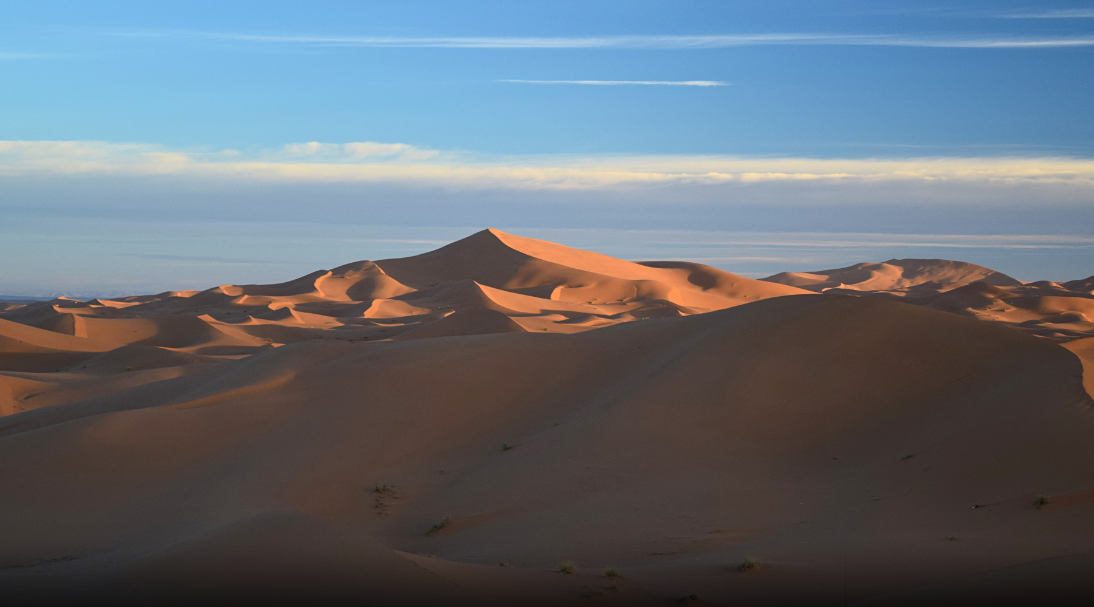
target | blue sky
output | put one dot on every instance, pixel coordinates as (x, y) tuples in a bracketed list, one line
[(186, 74), (777, 116)]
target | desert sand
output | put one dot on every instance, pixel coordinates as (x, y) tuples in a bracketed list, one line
[(1059, 311), (468, 425)]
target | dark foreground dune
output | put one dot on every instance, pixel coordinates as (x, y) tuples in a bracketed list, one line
[(279, 443)]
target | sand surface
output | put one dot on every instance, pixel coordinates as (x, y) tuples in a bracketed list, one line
[(450, 428), (1059, 311)]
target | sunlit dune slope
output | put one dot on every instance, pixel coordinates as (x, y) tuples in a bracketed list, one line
[(490, 282), (538, 285), (896, 274), (1059, 311)]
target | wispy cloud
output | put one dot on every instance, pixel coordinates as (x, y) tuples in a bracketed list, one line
[(710, 260), (372, 162), (632, 42), (760, 246), (13, 56), (315, 151), (870, 241), (702, 83), (1074, 13), (214, 260)]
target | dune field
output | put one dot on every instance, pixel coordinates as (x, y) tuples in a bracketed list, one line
[(1059, 311), (507, 421)]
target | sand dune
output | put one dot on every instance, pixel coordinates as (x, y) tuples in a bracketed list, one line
[(545, 285), (896, 275), (390, 432), (28, 348), (1060, 311)]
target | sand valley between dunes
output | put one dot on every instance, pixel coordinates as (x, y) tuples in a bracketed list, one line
[(507, 421)]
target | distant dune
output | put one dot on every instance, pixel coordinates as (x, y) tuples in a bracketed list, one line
[(1061, 311), (465, 426)]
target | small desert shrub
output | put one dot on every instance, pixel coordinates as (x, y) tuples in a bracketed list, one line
[(506, 446), (1042, 500), (612, 572), (566, 567), (383, 488), (749, 564), (441, 524)]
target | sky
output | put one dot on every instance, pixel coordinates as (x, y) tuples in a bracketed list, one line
[(146, 146)]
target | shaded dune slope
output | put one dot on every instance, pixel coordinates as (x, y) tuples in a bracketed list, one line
[(672, 448)]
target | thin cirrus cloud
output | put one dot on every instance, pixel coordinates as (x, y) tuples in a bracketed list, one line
[(200, 259), (806, 240), (14, 56), (631, 42), (1075, 13), (699, 83), (372, 162)]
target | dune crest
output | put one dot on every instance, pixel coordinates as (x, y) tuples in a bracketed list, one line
[(896, 275), (489, 282), (1059, 311), (536, 283)]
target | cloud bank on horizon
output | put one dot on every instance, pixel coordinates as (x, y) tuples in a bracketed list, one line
[(409, 166)]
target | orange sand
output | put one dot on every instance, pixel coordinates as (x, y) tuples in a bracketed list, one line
[(300, 441), (1060, 311)]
